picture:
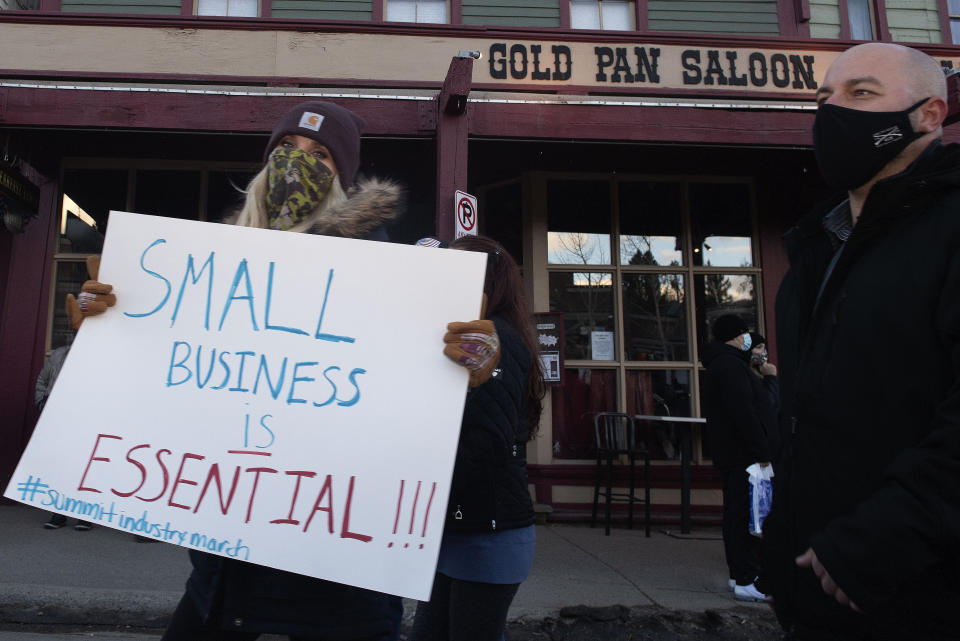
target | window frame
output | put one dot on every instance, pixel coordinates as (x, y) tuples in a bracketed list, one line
[(451, 8), (620, 365), (195, 10), (878, 17), (633, 11)]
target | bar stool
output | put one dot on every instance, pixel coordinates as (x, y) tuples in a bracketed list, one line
[(615, 434)]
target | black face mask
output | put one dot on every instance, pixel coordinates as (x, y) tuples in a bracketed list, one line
[(852, 146)]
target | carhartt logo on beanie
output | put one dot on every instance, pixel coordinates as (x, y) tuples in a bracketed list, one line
[(330, 125), (310, 120)]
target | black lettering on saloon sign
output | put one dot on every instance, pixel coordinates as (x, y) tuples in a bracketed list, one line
[(665, 66), (778, 68)]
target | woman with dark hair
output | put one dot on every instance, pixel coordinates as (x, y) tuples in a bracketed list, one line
[(308, 184), (489, 537)]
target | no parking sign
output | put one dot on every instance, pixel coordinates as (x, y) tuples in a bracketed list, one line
[(466, 205)]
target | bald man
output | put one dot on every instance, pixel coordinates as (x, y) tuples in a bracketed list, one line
[(864, 538)]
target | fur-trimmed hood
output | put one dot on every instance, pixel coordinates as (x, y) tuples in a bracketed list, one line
[(371, 204)]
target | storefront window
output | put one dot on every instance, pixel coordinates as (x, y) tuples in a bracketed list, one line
[(722, 224), (584, 393), (69, 276), (586, 300), (650, 223), (663, 392), (225, 193), (578, 222), (655, 318), (684, 253), (719, 294)]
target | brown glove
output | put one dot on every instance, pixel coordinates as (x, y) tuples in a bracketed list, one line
[(94, 297), (476, 346)]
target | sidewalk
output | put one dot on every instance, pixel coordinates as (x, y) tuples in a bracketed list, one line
[(106, 577)]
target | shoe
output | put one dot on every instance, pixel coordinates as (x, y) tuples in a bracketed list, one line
[(56, 522), (82, 526), (749, 593), (731, 584)]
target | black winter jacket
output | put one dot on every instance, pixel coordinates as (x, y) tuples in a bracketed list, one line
[(871, 386), (489, 490), (254, 598), (735, 402)]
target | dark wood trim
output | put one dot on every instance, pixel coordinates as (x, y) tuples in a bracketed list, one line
[(377, 11), (248, 114), (679, 125), (52, 6), (945, 29), (452, 141), (266, 8), (188, 112), (187, 8), (642, 15), (456, 12), (564, 14), (844, 19), (880, 16), (787, 17)]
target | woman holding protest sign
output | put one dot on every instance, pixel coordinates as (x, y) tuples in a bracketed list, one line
[(488, 537), (308, 184)]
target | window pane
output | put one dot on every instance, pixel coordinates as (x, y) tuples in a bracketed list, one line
[(94, 192), (212, 8), (584, 393), (174, 194), (659, 393), (722, 225), (584, 14), (650, 224), (955, 30), (616, 15), (654, 317), (401, 10), (718, 294), (586, 301), (224, 193), (243, 8), (70, 275), (858, 11), (434, 11), (578, 222), (954, 7)]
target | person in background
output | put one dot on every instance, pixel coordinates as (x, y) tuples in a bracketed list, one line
[(488, 538), (46, 379), (767, 371), (308, 184), (734, 402), (863, 541)]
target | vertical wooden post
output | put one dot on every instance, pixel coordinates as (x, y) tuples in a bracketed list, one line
[(452, 134)]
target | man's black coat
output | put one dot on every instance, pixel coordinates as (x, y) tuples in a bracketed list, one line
[(869, 375)]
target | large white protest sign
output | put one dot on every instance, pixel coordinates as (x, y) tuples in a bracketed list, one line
[(274, 397)]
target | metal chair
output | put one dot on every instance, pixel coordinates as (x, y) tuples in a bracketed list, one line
[(616, 436)]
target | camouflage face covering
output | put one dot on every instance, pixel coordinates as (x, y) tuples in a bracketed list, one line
[(297, 183)]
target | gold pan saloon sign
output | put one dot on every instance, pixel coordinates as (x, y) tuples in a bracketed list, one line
[(667, 67)]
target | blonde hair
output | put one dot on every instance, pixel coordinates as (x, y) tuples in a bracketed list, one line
[(254, 212)]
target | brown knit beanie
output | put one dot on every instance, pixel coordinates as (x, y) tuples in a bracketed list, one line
[(330, 125)]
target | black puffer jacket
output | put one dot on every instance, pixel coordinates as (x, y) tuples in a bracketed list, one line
[(873, 389), (735, 402), (489, 491), (253, 598)]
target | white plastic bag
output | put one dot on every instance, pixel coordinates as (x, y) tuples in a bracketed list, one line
[(761, 496)]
